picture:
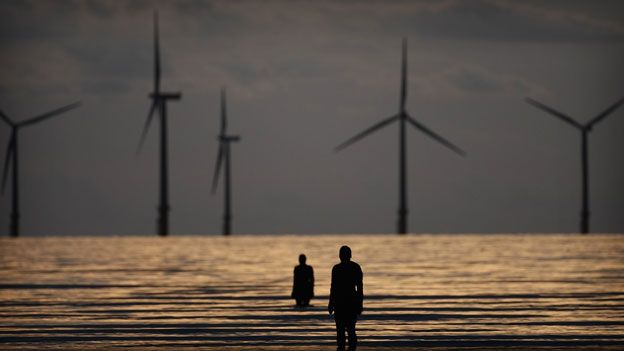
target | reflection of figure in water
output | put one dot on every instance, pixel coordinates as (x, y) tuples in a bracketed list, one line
[(346, 297), (303, 283)]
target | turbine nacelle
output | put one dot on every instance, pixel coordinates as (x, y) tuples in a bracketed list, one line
[(228, 138), (166, 96)]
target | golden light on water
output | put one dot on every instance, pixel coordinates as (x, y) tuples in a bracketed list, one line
[(208, 292)]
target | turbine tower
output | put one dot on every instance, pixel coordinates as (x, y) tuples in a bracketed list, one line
[(12, 160), (584, 129), (223, 156), (159, 104), (403, 118)]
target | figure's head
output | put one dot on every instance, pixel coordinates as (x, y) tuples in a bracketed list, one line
[(302, 259), (345, 254)]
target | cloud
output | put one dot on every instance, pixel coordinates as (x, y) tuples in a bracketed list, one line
[(470, 20), (507, 21), (259, 48), (473, 79)]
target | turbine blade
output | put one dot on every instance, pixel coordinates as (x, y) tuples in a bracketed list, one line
[(49, 114), (366, 132), (554, 112), (215, 177), (223, 112), (6, 118), (404, 76), (435, 136), (148, 121), (8, 159), (605, 113), (156, 55)]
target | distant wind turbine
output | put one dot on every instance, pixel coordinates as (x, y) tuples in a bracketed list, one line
[(12, 159), (402, 117), (584, 129), (223, 156), (159, 103)]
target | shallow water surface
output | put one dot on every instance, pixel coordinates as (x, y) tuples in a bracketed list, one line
[(421, 292)]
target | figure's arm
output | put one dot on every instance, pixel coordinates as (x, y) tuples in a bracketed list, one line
[(360, 291), (292, 294), (312, 280), (330, 306)]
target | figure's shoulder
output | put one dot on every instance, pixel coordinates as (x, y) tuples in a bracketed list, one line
[(355, 265)]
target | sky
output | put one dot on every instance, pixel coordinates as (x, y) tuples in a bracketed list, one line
[(302, 77)]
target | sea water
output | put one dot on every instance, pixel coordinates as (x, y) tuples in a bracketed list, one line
[(208, 292)]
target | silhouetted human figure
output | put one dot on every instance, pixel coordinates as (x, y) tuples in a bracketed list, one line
[(346, 298), (303, 283)]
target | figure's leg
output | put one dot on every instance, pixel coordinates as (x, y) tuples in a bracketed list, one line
[(340, 333), (350, 326), (306, 302), (299, 302)]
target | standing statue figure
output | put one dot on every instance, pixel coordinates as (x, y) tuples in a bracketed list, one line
[(303, 283), (346, 298)]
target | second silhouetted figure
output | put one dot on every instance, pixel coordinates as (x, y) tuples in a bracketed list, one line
[(303, 283), (346, 297)]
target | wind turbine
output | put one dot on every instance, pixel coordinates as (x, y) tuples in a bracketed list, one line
[(12, 159), (223, 156), (403, 118), (584, 129), (159, 104)]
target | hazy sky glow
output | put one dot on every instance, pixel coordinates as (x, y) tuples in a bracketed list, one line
[(302, 77)]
